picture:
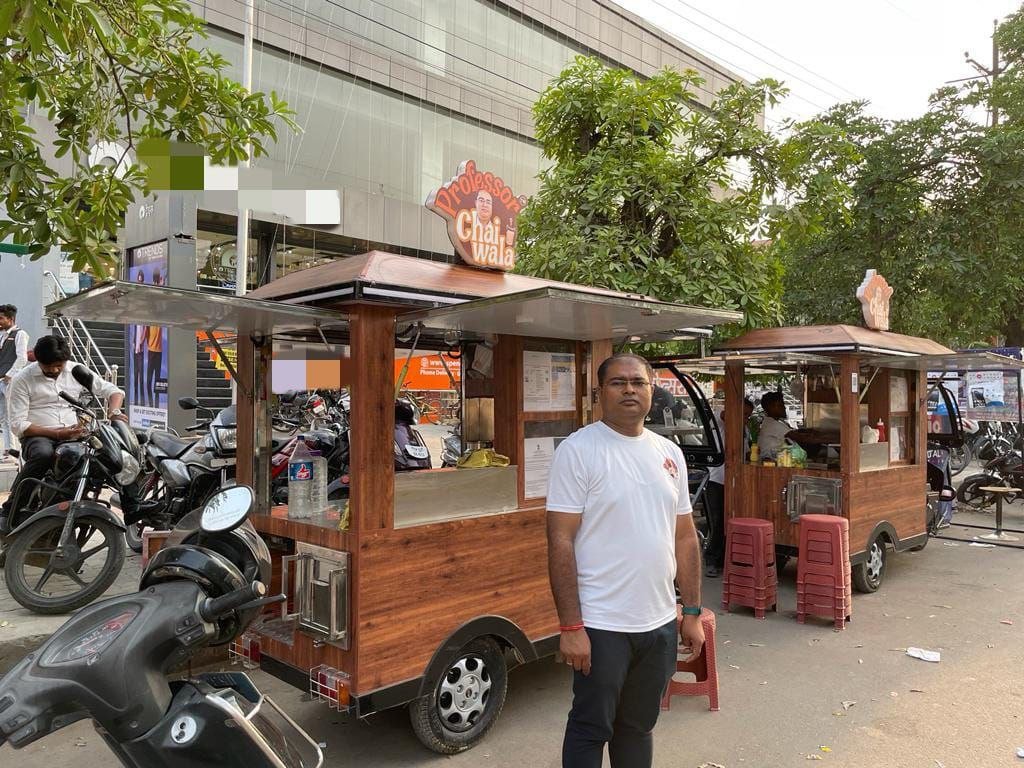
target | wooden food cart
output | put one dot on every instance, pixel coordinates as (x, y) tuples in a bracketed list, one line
[(440, 579), (851, 378)]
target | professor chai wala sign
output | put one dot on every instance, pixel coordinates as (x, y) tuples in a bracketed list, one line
[(481, 211)]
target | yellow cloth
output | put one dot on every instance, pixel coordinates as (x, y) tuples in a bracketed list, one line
[(483, 457), (156, 341)]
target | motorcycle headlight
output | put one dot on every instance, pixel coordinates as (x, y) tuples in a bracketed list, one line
[(129, 469), (228, 438)]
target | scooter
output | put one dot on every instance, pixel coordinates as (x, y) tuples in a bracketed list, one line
[(110, 661)]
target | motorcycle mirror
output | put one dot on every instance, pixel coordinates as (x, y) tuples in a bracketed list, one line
[(227, 509), (83, 376), (188, 403)]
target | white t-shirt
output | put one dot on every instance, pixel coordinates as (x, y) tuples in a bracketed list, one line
[(772, 436), (629, 491)]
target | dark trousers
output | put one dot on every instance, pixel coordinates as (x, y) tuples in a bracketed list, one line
[(139, 378), (152, 371), (714, 503), (619, 701), (37, 458)]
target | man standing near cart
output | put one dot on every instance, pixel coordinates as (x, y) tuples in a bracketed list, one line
[(620, 529)]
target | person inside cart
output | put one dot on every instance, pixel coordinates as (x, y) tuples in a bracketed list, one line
[(620, 529), (775, 430)]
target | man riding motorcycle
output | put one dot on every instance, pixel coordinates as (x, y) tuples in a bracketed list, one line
[(41, 419)]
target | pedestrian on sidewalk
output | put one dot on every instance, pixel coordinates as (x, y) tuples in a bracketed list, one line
[(13, 357), (620, 529)]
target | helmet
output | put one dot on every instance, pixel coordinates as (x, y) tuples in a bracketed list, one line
[(213, 572)]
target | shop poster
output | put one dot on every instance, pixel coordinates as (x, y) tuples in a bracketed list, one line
[(537, 456), (549, 381), (146, 354)]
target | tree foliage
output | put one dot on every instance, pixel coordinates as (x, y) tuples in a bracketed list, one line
[(935, 203), (119, 71), (640, 194)]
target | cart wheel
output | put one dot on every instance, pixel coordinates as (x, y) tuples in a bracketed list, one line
[(466, 700), (867, 576)]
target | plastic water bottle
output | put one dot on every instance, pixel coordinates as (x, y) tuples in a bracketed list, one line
[(301, 469), (318, 491)]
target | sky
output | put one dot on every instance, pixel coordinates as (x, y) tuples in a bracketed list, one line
[(893, 53)]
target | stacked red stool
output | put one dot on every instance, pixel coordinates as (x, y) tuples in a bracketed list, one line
[(750, 578), (823, 569), (704, 668)]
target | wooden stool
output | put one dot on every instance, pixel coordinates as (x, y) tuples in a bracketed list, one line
[(704, 668), (999, 491)]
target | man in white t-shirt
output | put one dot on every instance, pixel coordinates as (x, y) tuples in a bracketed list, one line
[(620, 529)]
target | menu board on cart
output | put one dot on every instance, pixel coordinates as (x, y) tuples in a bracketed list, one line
[(537, 455), (549, 381)]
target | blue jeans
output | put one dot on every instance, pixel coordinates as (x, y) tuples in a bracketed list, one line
[(619, 701)]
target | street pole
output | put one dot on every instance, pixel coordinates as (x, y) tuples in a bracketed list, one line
[(992, 73), (242, 237)]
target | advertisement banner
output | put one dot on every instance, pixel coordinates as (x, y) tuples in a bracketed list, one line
[(146, 354)]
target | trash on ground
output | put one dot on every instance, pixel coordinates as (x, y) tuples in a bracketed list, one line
[(814, 757), (733, 666), (710, 765), (848, 704), (825, 749), (5, 623), (924, 655), (983, 545), (947, 607), (756, 645), (950, 544), (917, 690), (1020, 751), (1008, 622), (893, 694)]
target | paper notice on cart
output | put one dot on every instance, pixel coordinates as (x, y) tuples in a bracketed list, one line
[(538, 453), (549, 381)]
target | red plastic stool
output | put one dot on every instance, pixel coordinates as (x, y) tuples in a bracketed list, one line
[(823, 569), (704, 668), (750, 578)]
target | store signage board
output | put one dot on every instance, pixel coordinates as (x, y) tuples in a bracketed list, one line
[(874, 295), (480, 210)]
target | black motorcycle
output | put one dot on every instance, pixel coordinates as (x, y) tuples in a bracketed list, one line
[(66, 546), (1006, 469), (204, 588)]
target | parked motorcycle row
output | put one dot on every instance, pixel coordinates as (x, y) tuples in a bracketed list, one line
[(999, 447), (66, 543)]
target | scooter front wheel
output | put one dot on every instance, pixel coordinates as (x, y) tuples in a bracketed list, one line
[(47, 581)]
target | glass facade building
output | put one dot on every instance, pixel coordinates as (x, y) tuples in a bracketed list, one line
[(392, 95)]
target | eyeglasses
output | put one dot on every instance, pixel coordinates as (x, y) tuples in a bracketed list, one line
[(623, 383)]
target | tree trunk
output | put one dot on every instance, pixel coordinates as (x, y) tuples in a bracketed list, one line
[(1014, 332)]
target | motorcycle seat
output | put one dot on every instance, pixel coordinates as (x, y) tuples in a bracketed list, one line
[(173, 446)]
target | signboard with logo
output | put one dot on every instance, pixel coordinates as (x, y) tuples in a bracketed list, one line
[(874, 294), (480, 210), (146, 354)]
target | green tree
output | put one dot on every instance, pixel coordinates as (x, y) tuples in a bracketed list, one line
[(642, 193), (935, 203), (120, 71)]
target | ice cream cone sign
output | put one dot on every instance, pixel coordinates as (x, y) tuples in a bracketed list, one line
[(874, 294)]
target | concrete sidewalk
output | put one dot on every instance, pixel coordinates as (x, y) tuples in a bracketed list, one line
[(22, 631)]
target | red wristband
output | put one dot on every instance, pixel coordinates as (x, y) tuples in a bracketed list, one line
[(572, 628)]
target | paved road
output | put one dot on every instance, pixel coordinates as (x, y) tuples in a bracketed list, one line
[(782, 686)]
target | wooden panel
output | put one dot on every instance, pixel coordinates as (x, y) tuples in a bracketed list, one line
[(734, 458), (894, 495), (406, 271), (758, 493), (877, 398), (296, 530), (508, 401), (373, 418), (849, 408), (850, 336), (599, 352), (420, 584)]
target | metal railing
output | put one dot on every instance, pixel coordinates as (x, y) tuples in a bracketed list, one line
[(84, 348)]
